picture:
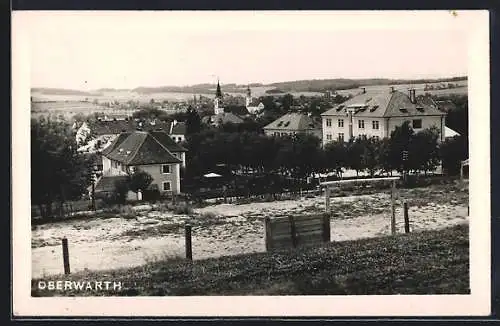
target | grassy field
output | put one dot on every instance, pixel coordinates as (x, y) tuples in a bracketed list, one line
[(426, 262), (132, 235)]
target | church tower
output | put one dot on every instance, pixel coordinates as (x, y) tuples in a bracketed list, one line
[(218, 100), (248, 97)]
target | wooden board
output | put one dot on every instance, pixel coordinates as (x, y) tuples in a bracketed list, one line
[(295, 231)]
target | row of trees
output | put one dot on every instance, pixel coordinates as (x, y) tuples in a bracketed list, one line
[(59, 173), (301, 156)]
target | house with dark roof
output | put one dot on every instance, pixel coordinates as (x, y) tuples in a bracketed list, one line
[(222, 118), (377, 114), (153, 152), (292, 124)]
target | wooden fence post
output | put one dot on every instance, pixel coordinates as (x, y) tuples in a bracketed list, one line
[(65, 255), (407, 219), (293, 231), (93, 196), (326, 227), (393, 208), (189, 249), (268, 234), (327, 200)]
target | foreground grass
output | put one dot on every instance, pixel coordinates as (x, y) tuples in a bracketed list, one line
[(428, 262)]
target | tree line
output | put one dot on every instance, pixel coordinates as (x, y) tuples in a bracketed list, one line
[(302, 156)]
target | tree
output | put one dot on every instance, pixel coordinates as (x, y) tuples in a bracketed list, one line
[(193, 121), (58, 171), (452, 151), (335, 156), (119, 195), (424, 150), (400, 142), (139, 180), (371, 157), (355, 149)]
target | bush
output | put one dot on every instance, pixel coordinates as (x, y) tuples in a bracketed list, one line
[(124, 211), (180, 208)]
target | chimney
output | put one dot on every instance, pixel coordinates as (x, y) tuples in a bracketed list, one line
[(392, 89), (411, 92), (172, 126), (363, 89)]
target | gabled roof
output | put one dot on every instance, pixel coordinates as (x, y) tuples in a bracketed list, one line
[(179, 128), (168, 142), (156, 126), (448, 132), (293, 121), (226, 117), (107, 183), (384, 104), (112, 127), (141, 148)]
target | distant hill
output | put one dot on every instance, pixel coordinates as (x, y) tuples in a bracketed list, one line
[(59, 91), (320, 85), (100, 90), (308, 85), (199, 88)]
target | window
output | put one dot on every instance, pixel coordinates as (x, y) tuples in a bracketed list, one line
[(375, 124), (361, 124), (341, 136), (166, 186), (165, 168), (328, 122), (417, 123), (329, 136), (341, 123), (376, 137)]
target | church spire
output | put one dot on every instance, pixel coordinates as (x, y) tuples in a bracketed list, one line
[(249, 92), (218, 92)]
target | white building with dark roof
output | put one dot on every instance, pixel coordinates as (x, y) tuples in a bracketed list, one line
[(153, 152), (377, 114), (293, 124)]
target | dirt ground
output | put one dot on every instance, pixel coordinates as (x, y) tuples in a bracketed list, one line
[(229, 229)]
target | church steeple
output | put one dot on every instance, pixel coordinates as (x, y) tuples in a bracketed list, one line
[(218, 100), (248, 99), (218, 92)]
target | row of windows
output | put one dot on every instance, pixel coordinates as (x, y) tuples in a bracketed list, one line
[(341, 136), (361, 123), (277, 134), (416, 123), (165, 168), (340, 123)]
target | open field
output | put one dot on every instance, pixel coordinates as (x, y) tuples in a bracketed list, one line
[(427, 262), (461, 89), (108, 241)]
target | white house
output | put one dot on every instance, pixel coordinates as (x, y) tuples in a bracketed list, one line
[(153, 152), (378, 114)]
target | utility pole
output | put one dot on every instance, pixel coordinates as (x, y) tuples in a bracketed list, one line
[(405, 159)]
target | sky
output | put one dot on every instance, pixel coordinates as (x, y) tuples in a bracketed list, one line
[(91, 50)]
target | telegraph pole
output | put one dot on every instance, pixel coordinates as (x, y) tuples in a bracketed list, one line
[(405, 159)]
